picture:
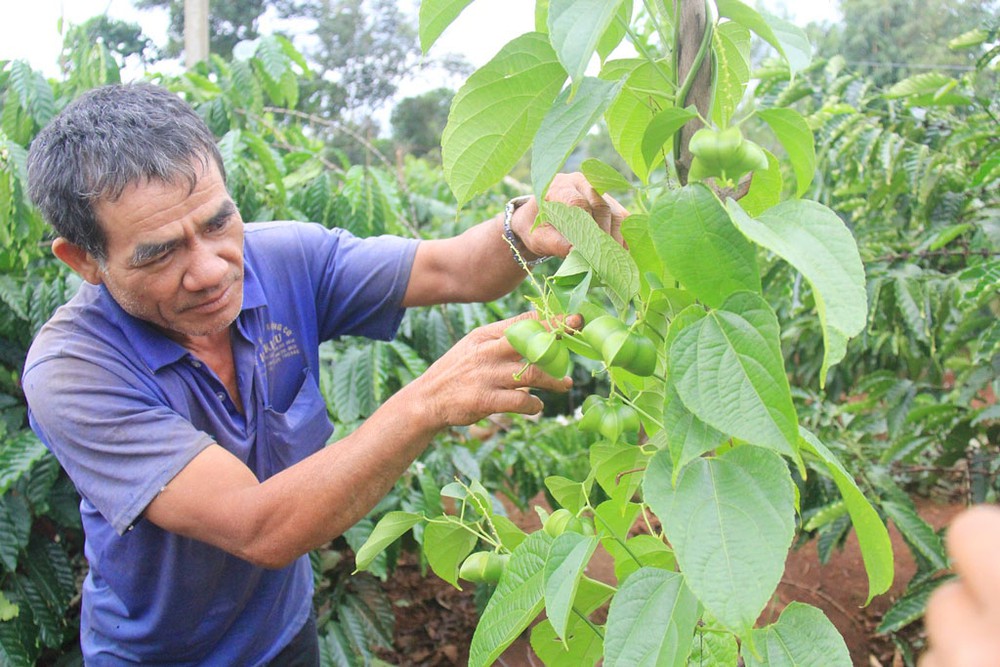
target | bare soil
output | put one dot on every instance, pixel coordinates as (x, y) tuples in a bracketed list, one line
[(435, 622)]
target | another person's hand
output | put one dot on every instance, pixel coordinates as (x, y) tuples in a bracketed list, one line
[(572, 190), (963, 616), (476, 378)]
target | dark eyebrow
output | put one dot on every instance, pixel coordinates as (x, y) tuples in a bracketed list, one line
[(148, 251)]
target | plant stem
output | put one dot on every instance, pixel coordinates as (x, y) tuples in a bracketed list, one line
[(644, 52), (597, 630)]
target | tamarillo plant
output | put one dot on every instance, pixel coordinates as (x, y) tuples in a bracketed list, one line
[(711, 467)]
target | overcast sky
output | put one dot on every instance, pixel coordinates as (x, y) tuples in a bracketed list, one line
[(29, 30)]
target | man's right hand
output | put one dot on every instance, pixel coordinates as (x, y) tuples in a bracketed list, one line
[(476, 378)]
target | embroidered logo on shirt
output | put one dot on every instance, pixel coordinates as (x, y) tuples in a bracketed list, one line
[(279, 344)]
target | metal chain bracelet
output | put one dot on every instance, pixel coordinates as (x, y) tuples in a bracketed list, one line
[(512, 238)]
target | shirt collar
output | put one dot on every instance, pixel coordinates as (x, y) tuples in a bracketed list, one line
[(151, 345)]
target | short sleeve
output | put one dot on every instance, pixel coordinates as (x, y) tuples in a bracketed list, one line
[(357, 283), (119, 442)]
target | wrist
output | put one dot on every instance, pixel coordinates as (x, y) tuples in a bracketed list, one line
[(524, 257)]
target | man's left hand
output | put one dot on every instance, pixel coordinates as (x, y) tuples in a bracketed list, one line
[(572, 190)]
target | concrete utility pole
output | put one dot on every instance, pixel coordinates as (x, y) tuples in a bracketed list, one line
[(195, 32), (689, 35)]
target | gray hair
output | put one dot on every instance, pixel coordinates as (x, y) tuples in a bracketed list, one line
[(105, 140)]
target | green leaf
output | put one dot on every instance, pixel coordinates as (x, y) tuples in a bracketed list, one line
[(602, 177), (644, 95), (565, 126), (910, 607), (637, 552), (732, 53), (569, 494), (518, 599), (791, 42), (918, 533), (728, 369), (651, 621), (795, 136), (568, 556), (814, 240), (876, 547), (495, 115), (700, 246), (616, 466), (611, 262), (635, 231), (765, 187), (584, 646), (446, 544), (616, 519), (714, 648), (927, 83), (15, 529), (575, 28), (616, 31), (687, 436), (802, 637), (509, 533), (389, 528), (8, 610), (435, 17), (730, 521), (659, 134)]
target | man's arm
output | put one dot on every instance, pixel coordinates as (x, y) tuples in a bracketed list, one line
[(217, 499), (478, 266)]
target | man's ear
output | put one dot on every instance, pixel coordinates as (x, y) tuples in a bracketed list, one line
[(78, 259)]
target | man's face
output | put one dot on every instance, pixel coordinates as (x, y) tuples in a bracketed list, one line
[(174, 257)]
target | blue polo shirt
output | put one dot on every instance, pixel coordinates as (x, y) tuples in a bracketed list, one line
[(124, 409)]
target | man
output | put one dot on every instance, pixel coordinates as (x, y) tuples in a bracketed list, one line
[(963, 616), (178, 387)]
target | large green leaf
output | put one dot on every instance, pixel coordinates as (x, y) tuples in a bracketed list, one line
[(518, 599), (802, 637), (637, 552), (728, 369), (876, 547), (700, 247), (446, 544), (18, 454), (687, 436), (791, 42), (389, 528), (603, 177), (795, 136), (435, 17), (565, 126), (730, 521), (576, 27), (568, 556), (814, 240), (651, 621), (612, 264), (584, 647), (15, 529), (495, 115), (645, 93)]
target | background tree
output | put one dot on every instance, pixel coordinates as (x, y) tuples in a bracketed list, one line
[(418, 121), (893, 39), (229, 23)]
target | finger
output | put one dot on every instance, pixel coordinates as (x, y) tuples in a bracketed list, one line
[(535, 378), (618, 215), (521, 402), (973, 543), (958, 631)]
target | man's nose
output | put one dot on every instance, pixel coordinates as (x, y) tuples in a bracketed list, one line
[(206, 268)]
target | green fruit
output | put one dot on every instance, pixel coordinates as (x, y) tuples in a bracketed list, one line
[(558, 364), (542, 348), (715, 148), (557, 522), (521, 332), (749, 157), (630, 350), (596, 332), (594, 408), (483, 566)]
